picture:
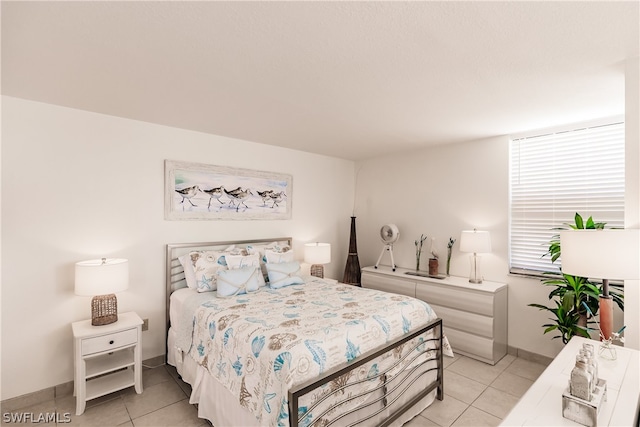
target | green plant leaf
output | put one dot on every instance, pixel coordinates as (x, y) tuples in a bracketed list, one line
[(568, 301), (541, 307), (568, 292), (590, 224)]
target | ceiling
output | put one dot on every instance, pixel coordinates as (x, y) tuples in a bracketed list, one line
[(344, 79)]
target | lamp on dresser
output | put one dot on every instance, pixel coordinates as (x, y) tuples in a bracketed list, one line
[(102, 278), (612, 254), (317, 254), (475, 242)]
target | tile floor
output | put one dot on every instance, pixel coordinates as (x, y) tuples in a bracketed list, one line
[(476, 394)]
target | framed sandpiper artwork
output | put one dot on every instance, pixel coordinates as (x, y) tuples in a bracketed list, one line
[(196, 191)]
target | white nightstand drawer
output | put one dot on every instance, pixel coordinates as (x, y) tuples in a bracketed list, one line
[(109, 342)]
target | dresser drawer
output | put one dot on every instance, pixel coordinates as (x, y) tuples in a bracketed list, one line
[(464, 300), (388, 284), (471, 323), (471, 345), (109, 341)]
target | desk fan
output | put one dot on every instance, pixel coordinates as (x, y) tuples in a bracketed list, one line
[(388, 234)]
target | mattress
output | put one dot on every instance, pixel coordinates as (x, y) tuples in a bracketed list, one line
[(178, 299)]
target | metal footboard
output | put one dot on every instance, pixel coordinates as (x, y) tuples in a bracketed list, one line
[(388, 392)]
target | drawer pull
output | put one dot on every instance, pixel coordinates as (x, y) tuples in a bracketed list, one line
[(111, 342)]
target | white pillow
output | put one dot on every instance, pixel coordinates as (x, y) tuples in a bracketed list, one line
[(284, 274), (239, 281), (278, 257), (206, 267), (187, 261), (235, 262), (260, 249)]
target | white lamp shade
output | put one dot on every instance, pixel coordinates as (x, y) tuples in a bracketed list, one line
[(101, 276), (601, 254), (317, 253), (475, 241)]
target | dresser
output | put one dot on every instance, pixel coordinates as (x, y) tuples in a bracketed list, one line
[(474, 316)]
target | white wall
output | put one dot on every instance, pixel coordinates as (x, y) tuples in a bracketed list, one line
[(632, 191), (440, 191), (78, 185)]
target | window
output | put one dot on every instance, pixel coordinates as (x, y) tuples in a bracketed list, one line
[(553, 176)]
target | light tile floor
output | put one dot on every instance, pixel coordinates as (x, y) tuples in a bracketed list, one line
[(476, 394)]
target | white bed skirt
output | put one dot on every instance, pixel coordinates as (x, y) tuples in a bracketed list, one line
[(219, 406)]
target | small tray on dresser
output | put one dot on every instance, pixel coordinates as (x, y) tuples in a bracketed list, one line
[(425, 274)]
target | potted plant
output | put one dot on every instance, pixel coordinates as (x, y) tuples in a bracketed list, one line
[(570, 292)]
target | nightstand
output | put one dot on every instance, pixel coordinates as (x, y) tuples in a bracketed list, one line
[(107, 358)]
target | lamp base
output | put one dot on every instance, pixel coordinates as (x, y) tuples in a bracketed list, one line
[(474, 276), (606, 317), (607, 351), (317, 270), (104, 309)]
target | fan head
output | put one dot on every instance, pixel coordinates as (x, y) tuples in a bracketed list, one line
[(389, 233)]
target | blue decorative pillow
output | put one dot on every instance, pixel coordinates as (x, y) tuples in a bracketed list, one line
[(238, 261), (284, 274), (275, 257), (239, 281)]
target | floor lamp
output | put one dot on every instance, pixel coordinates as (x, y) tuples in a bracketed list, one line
[(612, 254)]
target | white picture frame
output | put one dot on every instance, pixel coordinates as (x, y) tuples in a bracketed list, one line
[(197, 191)]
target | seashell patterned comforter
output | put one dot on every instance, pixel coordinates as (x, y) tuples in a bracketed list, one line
[(261, 344)]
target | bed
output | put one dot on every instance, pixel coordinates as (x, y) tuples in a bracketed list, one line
[(298, 350)]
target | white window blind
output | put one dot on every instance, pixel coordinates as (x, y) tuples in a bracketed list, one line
[(555, 175)]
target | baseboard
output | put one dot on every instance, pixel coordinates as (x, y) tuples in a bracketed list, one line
[(154, 362), (59, 391), (530, 356)]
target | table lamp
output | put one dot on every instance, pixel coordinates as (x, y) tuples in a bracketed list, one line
[(601, 254), (317, 254), (102, 278), (475, 242)]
